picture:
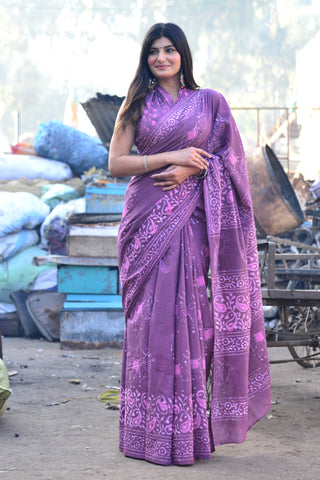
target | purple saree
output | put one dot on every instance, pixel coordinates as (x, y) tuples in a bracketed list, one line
[(174, 334)]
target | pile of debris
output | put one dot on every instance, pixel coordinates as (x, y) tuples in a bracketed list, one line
[(48, 189)]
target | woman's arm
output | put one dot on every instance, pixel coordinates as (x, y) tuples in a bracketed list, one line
[(122, 164)]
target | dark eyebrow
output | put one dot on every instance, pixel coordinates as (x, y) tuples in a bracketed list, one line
[(166, 46)]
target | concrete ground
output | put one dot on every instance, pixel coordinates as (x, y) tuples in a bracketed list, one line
[(57, 429)]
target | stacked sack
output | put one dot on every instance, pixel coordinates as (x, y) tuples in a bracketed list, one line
[(21, 215), (35, 226)]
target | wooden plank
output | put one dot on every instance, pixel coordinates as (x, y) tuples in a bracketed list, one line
[(289, 302), (93, 241), (285, 241), (297, 256), (291, 294), (271, 266), (75, 260), (283, 297), (92, 246), (98, 230), (298, 274)]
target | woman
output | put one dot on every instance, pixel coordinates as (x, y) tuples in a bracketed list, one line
[(187, 209)]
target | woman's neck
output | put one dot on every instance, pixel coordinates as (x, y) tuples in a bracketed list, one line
[(171, 85)]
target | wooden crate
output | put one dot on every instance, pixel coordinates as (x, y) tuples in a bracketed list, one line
[(87, 279), (92, 321), (10, 325), (104, 197), (93, 240)]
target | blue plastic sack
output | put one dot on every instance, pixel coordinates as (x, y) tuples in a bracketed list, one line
[(77, 149)]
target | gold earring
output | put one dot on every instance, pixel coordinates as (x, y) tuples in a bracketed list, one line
[(182, 84)]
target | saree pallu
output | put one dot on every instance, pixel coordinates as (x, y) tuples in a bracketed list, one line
[(174, 335)]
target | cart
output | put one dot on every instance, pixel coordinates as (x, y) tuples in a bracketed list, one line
[(290, 280)]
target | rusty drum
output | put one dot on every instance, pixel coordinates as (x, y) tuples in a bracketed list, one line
[(276, 207)]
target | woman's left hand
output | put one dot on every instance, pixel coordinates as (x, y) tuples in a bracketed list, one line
[(173, 176)]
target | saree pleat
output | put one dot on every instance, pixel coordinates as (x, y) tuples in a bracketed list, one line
[(174, 335)]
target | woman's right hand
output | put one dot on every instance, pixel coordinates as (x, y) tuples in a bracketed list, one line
[(173, 176), (189, 157)]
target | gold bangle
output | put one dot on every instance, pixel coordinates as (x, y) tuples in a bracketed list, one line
[(145, 159)]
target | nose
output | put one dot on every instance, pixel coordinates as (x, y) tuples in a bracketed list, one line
[(161, 55)]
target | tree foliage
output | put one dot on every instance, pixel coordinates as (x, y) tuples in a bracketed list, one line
[(245, 49)]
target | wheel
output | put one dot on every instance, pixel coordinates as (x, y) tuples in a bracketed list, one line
[(305, 320)]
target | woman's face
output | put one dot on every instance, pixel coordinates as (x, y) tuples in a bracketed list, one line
[(164, 60)]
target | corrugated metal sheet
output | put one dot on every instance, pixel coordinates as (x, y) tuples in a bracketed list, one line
[(102, 111)]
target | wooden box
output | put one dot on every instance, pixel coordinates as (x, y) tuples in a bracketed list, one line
[(92, 321), (104, 197), (93, 240), (91, 279), (10, 325)]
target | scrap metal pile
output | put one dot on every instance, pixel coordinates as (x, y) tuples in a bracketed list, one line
[(288, 231)]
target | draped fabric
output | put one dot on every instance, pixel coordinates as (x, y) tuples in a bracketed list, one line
[(175, 332)]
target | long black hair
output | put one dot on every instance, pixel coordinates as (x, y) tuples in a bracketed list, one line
[(138, 89)]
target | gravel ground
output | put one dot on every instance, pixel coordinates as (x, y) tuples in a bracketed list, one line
[(55, 427)]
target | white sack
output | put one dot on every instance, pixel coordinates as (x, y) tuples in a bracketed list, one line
[(19, 272), (61, 212), (20, 210), (6, 307), (31, 166), (46, 280), (14, 242)]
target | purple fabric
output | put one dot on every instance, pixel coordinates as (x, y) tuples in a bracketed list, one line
[(167, 241), (57, 237)]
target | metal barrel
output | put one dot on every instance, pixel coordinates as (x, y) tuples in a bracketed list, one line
[(276, 207)]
